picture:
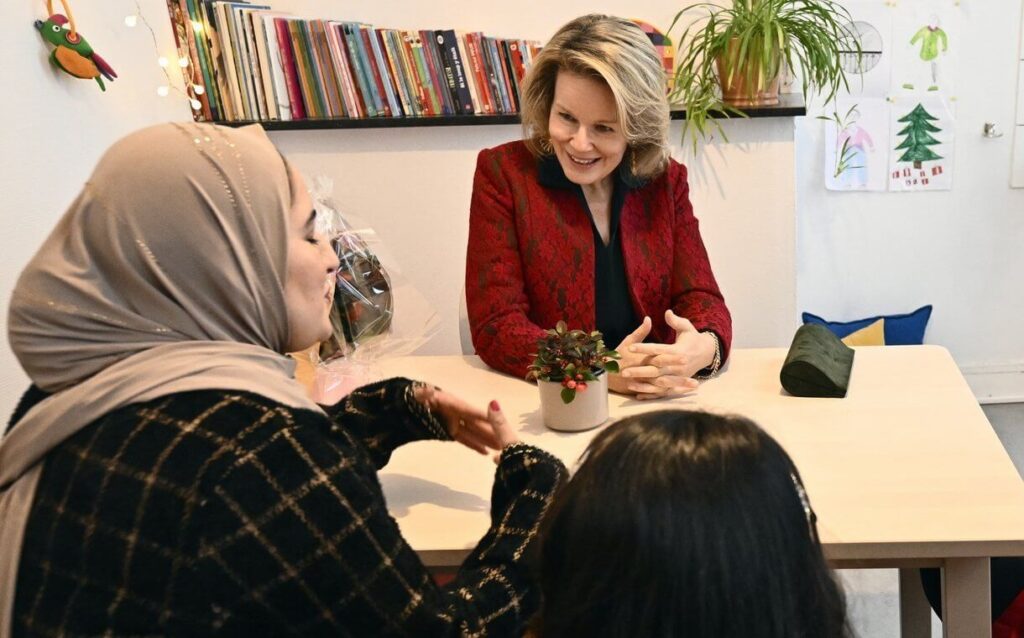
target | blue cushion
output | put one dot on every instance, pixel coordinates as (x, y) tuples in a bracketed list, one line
[(900, 330)]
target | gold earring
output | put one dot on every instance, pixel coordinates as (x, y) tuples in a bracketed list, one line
[(632, 163), (544, 144)]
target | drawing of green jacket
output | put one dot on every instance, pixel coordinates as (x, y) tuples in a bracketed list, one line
[(930, 39)]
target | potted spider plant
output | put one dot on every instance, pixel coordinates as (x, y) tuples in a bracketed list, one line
[(732, 57), (571, 368)]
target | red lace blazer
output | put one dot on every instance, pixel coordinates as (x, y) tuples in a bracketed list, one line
[(530, 259)]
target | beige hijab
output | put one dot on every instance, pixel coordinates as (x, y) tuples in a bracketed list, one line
[(165, 275)]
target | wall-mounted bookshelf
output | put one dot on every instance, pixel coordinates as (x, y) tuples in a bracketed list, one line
[(247, 64), (790, 105)]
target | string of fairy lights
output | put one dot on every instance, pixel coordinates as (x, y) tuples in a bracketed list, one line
[(192, 89)]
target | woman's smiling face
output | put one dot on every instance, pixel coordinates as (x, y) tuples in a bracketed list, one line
[(586, 135), (312, 266)]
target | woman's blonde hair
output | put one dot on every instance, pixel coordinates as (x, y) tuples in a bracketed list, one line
[(620, 54)]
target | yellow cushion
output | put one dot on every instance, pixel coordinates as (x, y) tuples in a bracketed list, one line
[(870, 335)]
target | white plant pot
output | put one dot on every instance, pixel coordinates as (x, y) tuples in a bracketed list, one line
[(588, 410)]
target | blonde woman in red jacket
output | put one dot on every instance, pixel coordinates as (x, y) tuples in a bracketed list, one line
[(588, 220)]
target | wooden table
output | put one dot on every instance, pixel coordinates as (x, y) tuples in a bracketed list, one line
[(904, 472)]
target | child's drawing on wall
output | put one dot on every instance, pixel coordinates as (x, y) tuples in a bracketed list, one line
[(853, 160), (926, 46), (921, 147), (933, 41)]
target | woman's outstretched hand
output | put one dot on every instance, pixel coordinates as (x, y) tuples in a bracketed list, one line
[(502, 430), (483, 431)]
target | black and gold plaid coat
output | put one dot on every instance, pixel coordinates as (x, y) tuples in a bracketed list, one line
[(225, 513)]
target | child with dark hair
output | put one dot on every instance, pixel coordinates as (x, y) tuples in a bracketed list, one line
[(685, 524)]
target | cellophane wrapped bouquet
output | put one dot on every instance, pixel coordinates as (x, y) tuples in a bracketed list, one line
[(376, 314)]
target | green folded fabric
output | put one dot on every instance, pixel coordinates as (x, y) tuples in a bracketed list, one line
[(818, 364)]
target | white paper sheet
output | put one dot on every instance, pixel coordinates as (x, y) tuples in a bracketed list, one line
[(872, 27), (921, 143), (926, 46), (856, 145)]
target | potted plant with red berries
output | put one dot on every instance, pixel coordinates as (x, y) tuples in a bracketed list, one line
[(570, 367)]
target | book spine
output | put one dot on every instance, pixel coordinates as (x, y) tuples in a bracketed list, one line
[(463, 96), (242, 64), (282, 98), (351, 32), (412, 64), (312, 71), (195, 67), (334, 63), (387, 40), (403, 53), (263, 57), (205, 59), (240, 69), (447, 86), (302, 66), (217, 58), (447, 71), (494, 73), (511, 85), (516, 48), (386, 76), (255, 66), (424, 73), (353, 105), (325, 69), (252, 64), (436, 71), (180, 30), (460, 39), (290, 68), (380, 98), (480, 73), (230, 62)]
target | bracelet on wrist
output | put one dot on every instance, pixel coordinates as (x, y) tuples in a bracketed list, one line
[(421, 408), (716, 360)]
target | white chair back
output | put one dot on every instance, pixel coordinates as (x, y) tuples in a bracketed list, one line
[(465, 334)]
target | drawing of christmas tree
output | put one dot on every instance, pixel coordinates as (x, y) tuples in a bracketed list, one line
[(917, 138)]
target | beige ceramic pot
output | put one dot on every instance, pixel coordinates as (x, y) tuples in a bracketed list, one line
[(588, 410)]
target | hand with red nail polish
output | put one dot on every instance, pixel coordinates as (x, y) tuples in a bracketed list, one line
[(465, 423), (502, 430)]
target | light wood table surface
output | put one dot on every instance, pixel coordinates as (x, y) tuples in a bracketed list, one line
[(904, 472)]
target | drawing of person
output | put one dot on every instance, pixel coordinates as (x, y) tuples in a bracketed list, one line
[(857, 141), (931, 38)]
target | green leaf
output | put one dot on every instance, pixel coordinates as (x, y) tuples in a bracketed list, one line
[(767, 35), (568, 395), (611, 366)]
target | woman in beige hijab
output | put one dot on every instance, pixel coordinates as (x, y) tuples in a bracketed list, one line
[(168, 475)]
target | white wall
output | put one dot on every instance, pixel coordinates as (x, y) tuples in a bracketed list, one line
[(854, 253), (861, 254), (412, 185), (55, 127)]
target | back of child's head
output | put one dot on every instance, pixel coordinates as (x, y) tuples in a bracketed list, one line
[(685, 524)]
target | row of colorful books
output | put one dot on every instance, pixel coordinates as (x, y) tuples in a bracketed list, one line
[(257, 64)]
